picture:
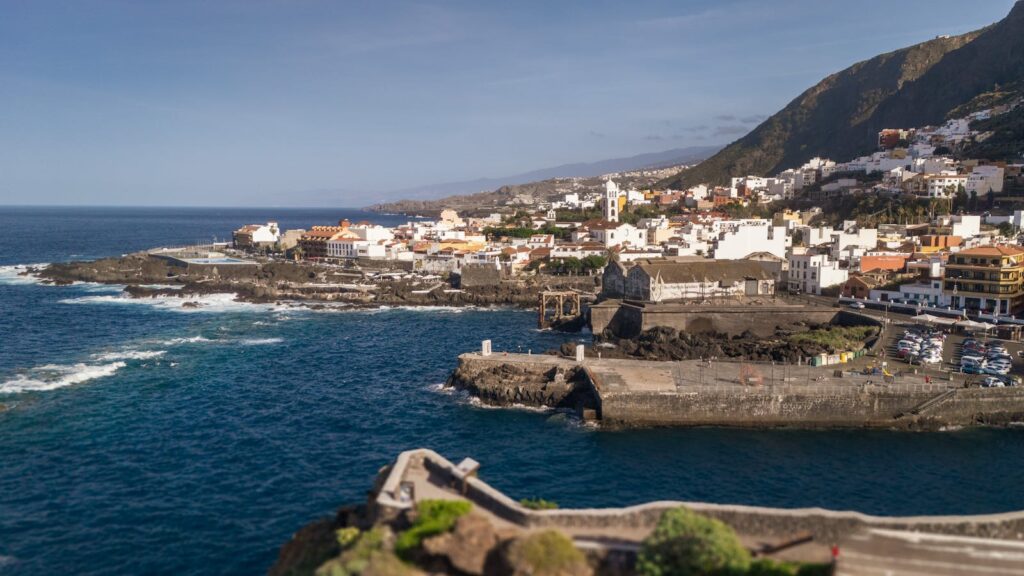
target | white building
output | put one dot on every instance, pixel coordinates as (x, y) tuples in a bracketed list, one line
[(945, 185), (614, 234), (985, 179), (738, 238), (809, 272)]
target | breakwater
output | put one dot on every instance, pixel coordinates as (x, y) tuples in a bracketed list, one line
[(627, 393)]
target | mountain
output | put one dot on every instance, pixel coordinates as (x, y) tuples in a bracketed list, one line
[(664, 159), (840, 117)]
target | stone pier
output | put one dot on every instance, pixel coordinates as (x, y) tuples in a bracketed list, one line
[(695, 393)]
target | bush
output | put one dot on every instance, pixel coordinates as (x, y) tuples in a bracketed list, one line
[(547, 553), (433, 517), (686, 543), (768, 567), (538, 504)]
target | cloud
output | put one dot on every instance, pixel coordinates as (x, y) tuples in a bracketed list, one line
[(653, 137), (596, 134), (730, 130), (725, 117), (698, 128), (754, 119)]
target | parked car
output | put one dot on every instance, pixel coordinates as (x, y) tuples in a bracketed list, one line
[(857, 305), (992, 382)]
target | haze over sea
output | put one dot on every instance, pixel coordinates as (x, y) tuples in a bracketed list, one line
[(140, 437)]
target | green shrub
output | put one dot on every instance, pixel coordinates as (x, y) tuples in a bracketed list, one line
[(766, 567), (347, 536), (685, 543), (547, 553), (836, 338), (433, 517), (538, 504)]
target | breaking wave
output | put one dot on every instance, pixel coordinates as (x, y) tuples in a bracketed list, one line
[(260, 341), (54, 376), (130, 355), (209, 303), (15, 274)]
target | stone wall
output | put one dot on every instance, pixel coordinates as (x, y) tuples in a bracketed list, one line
[(825, 526), (820, 406), (697, 394), (629, 318)]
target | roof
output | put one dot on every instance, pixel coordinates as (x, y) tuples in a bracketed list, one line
[(992, 251), (704, 270)]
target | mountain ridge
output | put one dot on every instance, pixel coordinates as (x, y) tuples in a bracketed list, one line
[(839, 117), (661, 159)]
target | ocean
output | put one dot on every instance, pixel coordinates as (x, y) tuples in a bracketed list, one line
[(141, 437)]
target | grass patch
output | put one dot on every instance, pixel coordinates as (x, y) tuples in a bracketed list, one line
[(538, 504), (835, 338), (433, 517)]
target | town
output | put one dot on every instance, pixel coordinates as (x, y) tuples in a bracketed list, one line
[(915, 223)]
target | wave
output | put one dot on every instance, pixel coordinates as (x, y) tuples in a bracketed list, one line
[(207, 303), (186, 340), (54, 376), (260, 341), (130, 355), (15, 274)]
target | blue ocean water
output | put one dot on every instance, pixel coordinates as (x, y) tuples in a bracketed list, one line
[(144, 438)]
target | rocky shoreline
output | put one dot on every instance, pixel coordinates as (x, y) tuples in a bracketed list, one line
[(313, 285)]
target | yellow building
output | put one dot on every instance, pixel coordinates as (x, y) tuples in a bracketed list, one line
[(987, 278)]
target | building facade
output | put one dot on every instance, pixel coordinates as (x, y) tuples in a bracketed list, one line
[(986, 279)]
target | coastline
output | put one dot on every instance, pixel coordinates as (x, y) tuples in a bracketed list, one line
[(312, 285)]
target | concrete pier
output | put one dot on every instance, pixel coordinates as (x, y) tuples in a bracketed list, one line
[(695, 393)]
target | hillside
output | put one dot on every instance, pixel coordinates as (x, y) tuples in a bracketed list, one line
[(488, 194), (840, 117)]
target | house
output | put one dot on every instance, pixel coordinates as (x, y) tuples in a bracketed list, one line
[(858, 286), (810, 271), (985, 179), (668, 280), (253, 236)]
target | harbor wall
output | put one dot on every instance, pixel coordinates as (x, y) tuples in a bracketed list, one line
[(627, 319), (825, 406), (637, 393)]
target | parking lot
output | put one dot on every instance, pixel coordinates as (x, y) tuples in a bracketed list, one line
[(950, 352)]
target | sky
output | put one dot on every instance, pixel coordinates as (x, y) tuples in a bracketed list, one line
[(278, 102)]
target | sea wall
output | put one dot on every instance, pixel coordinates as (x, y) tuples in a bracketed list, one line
[(825, 406), (824, 525), (627, 319), (633, 393)]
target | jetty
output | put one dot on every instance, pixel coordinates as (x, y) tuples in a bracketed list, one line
[(628, 393)]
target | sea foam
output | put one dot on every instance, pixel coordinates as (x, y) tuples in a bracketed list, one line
[(15, 274), (208, 303), (54, 376)]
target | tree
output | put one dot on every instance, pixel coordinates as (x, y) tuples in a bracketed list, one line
[(990, 201), (798, 238), (1007, 229), (960, 200), (686, 543), (972, 204)]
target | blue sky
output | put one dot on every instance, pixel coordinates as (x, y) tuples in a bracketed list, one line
[(230, 102)]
